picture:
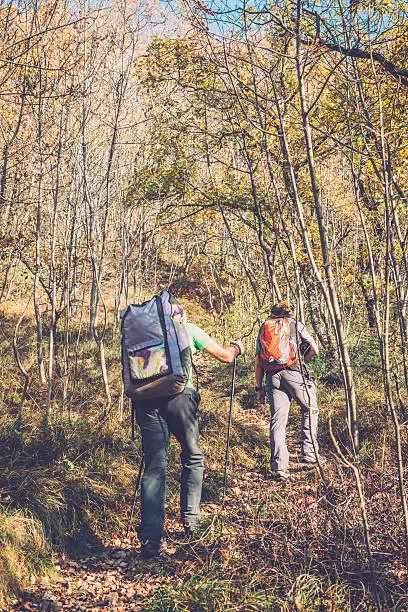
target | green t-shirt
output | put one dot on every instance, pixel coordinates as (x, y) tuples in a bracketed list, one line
[(199, 340)]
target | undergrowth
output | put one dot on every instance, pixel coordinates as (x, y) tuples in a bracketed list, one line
[(68, 487), (25, 553)]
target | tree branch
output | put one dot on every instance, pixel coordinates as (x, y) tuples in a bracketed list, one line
[(399, 74)]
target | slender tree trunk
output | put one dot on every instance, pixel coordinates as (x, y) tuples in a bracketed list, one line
[(342, 342), (37, 270)]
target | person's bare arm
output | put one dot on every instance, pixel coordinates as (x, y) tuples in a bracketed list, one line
[(313, 350), (307, 338), (259, 376), (259, 373), (225, 354)]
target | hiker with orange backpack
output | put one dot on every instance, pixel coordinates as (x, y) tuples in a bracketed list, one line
[(280, 362)]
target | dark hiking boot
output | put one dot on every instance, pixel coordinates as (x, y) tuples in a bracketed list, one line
[(150, 549), (191, 529)]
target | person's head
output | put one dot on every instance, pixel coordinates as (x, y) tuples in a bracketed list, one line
[(281, 310)]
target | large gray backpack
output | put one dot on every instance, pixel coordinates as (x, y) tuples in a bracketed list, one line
[(156, 353)]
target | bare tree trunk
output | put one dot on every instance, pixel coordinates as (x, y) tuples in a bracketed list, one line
[(337, 318), (38, 226)]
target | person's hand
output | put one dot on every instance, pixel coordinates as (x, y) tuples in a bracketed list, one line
[(238, 345), (261, 397)]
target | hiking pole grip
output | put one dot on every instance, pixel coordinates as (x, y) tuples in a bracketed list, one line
[(224, 485), (139, 476)]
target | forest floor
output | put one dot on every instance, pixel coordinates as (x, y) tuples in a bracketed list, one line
[(66, 490), (113, 576)]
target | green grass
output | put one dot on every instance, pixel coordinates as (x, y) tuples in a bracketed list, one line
[(68, 486), (25, 553)]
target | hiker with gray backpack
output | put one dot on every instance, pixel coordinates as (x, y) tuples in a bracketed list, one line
[(157, 348), (283, 345)]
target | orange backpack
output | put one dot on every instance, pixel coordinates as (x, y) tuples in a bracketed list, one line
[(277, 339)]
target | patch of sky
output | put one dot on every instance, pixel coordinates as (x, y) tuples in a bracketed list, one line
[(354, 23)]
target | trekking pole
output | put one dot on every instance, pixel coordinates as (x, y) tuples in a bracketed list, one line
[(224, 486), (139, 476)]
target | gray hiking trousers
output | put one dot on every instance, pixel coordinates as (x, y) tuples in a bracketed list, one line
[(282, 387)]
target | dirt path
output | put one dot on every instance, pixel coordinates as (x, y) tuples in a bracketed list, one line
[(114, 577)]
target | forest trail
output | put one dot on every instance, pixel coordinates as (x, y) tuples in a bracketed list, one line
[(234, 155), (114, 577)]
